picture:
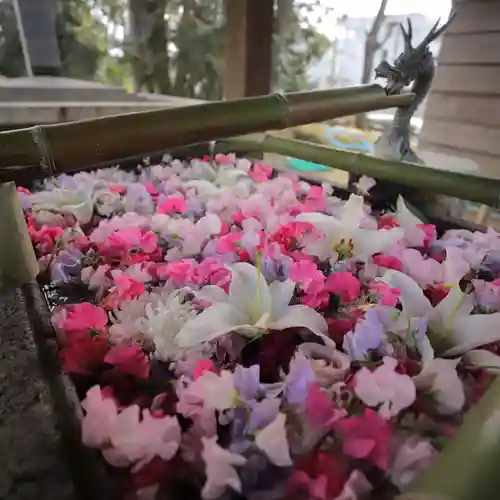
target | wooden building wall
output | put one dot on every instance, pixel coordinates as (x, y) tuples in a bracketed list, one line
[(462, 116)]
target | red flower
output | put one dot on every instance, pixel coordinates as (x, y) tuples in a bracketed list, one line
[(78, 320), (84, 354), (388, 262), (203, 365), (343, 284), (321, 474), (387, 222), (436, 293), (366, 437), (429, 233), (128, 359), (337, 328)]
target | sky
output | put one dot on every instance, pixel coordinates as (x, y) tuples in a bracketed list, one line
[(368, 8)]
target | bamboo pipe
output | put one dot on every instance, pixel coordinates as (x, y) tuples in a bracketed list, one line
[(68, 147), (427, 179)]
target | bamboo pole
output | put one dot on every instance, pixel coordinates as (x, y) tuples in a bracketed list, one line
[(18, 264), (467, 468), (69, 147), (427, 179)]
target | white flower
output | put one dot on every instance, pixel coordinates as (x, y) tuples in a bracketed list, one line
[(455, 331), (251, 307), (216, 391), (219, 469), (440, 379), (346, 229), (413, 457), (164, 319), (100, 418), (196, 235), (364, 184), (107, 202), (138, 200), (64, 201), (273, 442), (137, 441), (384, 386)]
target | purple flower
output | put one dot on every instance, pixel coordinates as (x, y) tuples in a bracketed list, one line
[(369, 334), (240, 442), (263, 413), (487, 295), (492, 260), (66, 266), (138, 199), (276, 269), (247, 382), (297, 382)]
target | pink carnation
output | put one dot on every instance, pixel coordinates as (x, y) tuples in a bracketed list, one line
[(343, 284)]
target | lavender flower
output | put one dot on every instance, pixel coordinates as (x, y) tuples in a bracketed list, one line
[(247, 382), (369, 334), (67, 266), (298, 380)]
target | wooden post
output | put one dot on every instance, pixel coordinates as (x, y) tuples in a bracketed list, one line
[(249, 35)]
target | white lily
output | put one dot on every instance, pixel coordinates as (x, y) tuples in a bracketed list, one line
[(64, 201), (251, 307), (439, 377), (455, 331), (344, 232), (404, 215)]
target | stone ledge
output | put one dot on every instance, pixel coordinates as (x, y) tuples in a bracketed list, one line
[(42, 453)]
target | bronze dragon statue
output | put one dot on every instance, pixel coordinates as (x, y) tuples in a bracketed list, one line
[(415, 66)]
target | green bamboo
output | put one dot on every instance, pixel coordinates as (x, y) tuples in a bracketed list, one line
[(467, 468), (427, 179), (68, 147)]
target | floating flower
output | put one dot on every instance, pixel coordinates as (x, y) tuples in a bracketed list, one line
[(369, 334), (367, 437), (273, 442), (101, 415), (80, 320), (164, 320), (216, 391), (137, 441), (385, 389), (63, 201), (251, 307), (453, 329), (413, 457), (128, 359), (345, 232), (220, 469), (256, 332), (320, 409), (343, 284)]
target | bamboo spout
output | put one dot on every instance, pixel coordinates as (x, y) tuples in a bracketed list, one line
[(68, 147)]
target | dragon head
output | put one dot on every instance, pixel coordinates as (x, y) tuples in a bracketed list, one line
[(413, 61)]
